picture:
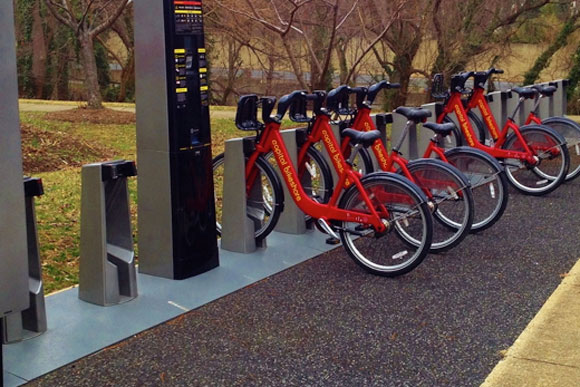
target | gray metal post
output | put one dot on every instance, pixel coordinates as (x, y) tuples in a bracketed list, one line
[(561, 97), (13, 262), (237, 228), (107, 274), (547, 104), (291, 220), (31, 322)]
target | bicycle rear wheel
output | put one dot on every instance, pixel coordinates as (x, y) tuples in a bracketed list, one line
[(264, 204), (402, 206), (570, 130), (489, 184), (449, 193), (554, 161)]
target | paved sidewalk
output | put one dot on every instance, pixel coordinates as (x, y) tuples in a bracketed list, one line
[(547, 353)]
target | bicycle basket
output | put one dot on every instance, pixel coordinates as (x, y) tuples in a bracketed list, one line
[(247, 113), (298, 110), (438, 89)]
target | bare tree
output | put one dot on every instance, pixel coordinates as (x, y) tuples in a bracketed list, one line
[(468, 28), (87, 19)]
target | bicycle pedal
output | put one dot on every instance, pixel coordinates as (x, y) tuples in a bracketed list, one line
[(332, 241)]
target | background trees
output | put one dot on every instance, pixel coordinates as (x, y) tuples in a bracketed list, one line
[(273, 46)]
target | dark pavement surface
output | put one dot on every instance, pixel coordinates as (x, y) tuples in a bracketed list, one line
[(326, 322)]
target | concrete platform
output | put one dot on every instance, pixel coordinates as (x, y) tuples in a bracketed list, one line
[(77, 329)]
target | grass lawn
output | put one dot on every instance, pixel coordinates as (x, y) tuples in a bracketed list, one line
[(58, 210)]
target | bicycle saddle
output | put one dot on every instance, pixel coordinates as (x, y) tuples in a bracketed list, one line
[(442, 129), (546, 91), (413, 114), (526, 92), (365, 138)]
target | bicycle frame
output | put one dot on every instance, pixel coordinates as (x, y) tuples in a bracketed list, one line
[(387, 162), (271, 140), (455, 105)]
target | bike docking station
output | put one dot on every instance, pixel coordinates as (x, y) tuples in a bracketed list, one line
[(14, 271), (32, 321), (107, 274), (238, 208)]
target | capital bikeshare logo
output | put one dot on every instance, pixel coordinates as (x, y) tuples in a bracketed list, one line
[(378, 149), (464, 125), (488, 117), (287, 171)]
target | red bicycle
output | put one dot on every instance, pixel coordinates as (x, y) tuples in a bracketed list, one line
[(446, 188), (567, 128), (382, 219), (486, 177), (535, 156)]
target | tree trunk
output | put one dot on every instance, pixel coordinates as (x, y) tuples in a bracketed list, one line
[(127, 77), (92, 88), (39, 52)]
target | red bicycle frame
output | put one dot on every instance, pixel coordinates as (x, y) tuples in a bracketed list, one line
[(271, 140), (455, 105), (364, 122)]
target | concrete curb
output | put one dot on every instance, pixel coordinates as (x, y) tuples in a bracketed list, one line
[(547, 353)]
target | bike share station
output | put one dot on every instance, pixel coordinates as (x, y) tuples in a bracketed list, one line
[(181, 265)]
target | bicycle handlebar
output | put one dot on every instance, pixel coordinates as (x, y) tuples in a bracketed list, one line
[(458, 81), (286, 101), (374, 89), (480, 77)]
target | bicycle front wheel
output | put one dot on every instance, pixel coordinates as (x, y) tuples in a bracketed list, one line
[(264, 202), (451, 199), (553, 160), (489, 184), (403, 208), (570, 130)]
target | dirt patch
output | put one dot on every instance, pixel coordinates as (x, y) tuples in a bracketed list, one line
[(45, 151), (100, 116)]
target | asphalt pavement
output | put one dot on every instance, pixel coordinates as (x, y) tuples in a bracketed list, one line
[(327, 322)]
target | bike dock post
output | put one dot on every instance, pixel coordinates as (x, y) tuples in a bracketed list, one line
[(107, 274), (498, 102), (291, 220), (32, 321), (238, 228), (560, 97), (547, 103)]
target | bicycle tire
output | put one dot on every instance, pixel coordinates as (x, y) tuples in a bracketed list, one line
[(451, 200), (489, 184), (534, 180), (570, 130), (271, 207), (409, 217)]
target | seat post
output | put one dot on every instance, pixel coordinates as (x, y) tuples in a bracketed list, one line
[(513, 116), (537, 102), (410, 125)]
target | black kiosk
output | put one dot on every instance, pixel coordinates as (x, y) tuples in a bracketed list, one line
[(177, 237)]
